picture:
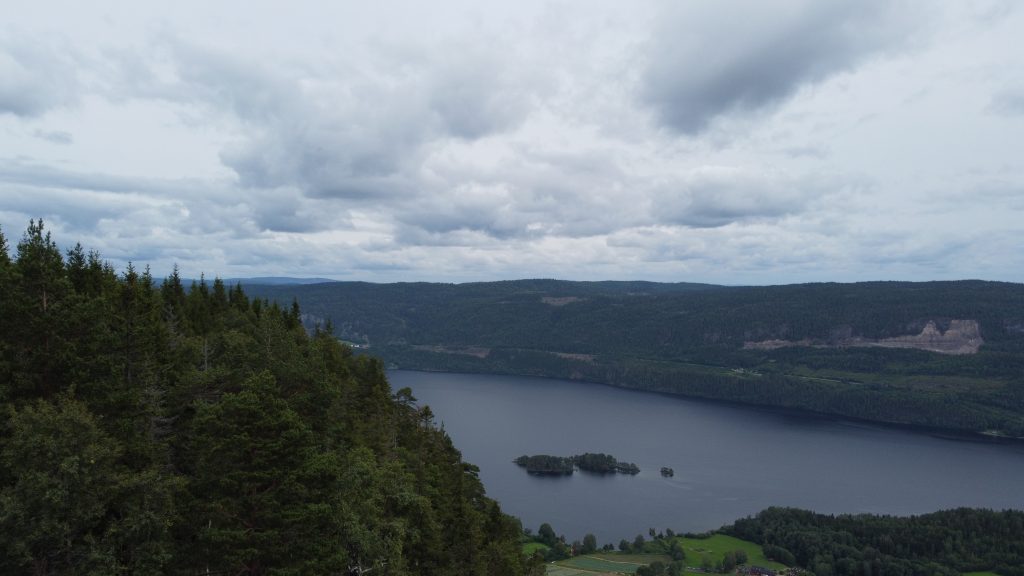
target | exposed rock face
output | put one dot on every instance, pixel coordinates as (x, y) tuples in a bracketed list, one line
[(560, 301), (776, 344), (580, 357), (962, 337), (477, 351)]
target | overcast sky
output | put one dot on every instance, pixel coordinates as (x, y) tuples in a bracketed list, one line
[(722, 141)]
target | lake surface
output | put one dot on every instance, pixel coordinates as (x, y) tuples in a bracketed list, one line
[(730, 461)]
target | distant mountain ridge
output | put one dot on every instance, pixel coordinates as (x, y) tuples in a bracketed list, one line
[(277, 281), (258, 280), (941, 354)]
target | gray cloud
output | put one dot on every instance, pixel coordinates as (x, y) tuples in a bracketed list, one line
[(21, 171), (55, 136), (78, 212), (716, 196), (1007, 103), (34, 77), (355, 131), (476, 93), (85, 200), (534, 192), (33, 173), (712, 59)]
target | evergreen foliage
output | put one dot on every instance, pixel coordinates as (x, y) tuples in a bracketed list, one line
[(589, 462), (945, 543), (546, 464), (165, 430)]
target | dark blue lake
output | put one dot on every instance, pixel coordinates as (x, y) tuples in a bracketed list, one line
[(730, 461)]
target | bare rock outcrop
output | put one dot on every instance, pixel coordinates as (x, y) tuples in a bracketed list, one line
[(961, 337)]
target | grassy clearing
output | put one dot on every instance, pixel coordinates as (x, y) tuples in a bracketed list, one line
[(560, 570), (530, 547), (938, 382), (610, 563), (716, 547), (597, 565), (632, 558)]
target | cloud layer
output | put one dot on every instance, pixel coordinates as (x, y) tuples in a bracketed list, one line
[(722, 141), (708, 60)]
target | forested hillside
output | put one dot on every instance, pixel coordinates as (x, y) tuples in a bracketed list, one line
[(941, 354), (946, 543), (168, 430)]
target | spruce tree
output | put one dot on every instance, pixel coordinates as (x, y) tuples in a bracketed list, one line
[(36, 314), (6, 313)]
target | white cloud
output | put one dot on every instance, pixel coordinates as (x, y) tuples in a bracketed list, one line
[(797, 141)]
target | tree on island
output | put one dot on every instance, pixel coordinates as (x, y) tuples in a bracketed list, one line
[(545, 464), (590, 462)]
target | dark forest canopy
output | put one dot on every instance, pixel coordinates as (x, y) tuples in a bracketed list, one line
[(546, 464), (589, 462), (945, 543), (816, 347), (191, 430)]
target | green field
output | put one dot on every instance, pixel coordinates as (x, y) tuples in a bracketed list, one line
[(560, 570), (626, 563), (716, 547), (530, 547), (980, 574), (597, 565)]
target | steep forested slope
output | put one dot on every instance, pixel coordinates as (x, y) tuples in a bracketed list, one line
[(164, 430), (862, 350)]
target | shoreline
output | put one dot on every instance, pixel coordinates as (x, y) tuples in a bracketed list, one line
[(954, 434)]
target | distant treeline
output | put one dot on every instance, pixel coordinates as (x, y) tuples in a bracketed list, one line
[(689, 339), (944, 543)]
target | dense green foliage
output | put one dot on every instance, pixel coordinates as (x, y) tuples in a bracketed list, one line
[(689, 339), (545, 464), (603, 464), (589, 462), (940, 544), (165, 430)]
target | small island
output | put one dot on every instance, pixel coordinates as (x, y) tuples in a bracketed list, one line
[(667, 472), (564, 465)]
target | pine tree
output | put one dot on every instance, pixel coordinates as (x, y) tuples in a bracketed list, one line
[(237, 299), (219, 300), (173, 295)]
